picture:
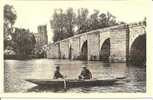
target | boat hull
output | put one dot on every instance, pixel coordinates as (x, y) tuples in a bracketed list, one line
[(71, 83)]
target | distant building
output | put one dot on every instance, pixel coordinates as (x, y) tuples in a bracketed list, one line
[(41, 37)]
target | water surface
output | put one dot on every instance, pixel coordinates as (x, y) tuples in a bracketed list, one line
[(16, 71)]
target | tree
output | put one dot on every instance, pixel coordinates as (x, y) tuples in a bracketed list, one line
[(102, 20), (70, 22), (82, 20), (110, 19), (24, 42), (57, 24), (20, 41), (9, 14), (94, 20), (64, 23), (9, 19)]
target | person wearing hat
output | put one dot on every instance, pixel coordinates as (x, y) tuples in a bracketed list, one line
[(57, 73), (85, 73)]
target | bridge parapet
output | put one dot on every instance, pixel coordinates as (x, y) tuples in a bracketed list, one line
[(136, 24), (120, 26), (120, 38)]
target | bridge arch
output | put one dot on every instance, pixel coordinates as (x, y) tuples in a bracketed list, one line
[(105, 50), (138, 50), (84, 51), (70, 49), (83, 39), (70, 52)]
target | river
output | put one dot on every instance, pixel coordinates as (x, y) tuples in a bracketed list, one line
[(17, 70)]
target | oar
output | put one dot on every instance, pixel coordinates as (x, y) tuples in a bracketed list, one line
[(65, 86)]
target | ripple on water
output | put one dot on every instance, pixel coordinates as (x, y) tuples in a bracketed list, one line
[(16, 71)]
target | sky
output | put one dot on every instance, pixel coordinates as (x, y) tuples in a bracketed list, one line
[(30, 14)]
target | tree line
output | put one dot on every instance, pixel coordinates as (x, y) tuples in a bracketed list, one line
[(17, 41), (68, 23), (64, 24)]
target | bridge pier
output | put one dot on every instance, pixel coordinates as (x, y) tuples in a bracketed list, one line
[(119, 42), (93, 45)]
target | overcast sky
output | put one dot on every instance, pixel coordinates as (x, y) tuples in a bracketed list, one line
[(30, 14)]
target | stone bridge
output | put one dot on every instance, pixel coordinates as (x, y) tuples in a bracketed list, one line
[(116, 44)]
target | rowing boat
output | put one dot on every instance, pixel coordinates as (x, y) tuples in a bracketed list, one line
[(71, 82)]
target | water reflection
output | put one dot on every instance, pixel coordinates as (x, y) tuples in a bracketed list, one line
[(16, 71), (46, 89)]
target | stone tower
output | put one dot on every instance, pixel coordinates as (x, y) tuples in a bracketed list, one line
[(42, 30), (41, 37)]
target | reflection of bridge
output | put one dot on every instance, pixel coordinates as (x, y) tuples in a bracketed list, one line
[(116, 44)]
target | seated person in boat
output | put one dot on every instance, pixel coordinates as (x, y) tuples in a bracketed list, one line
[(85, 74), (57, 73)]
